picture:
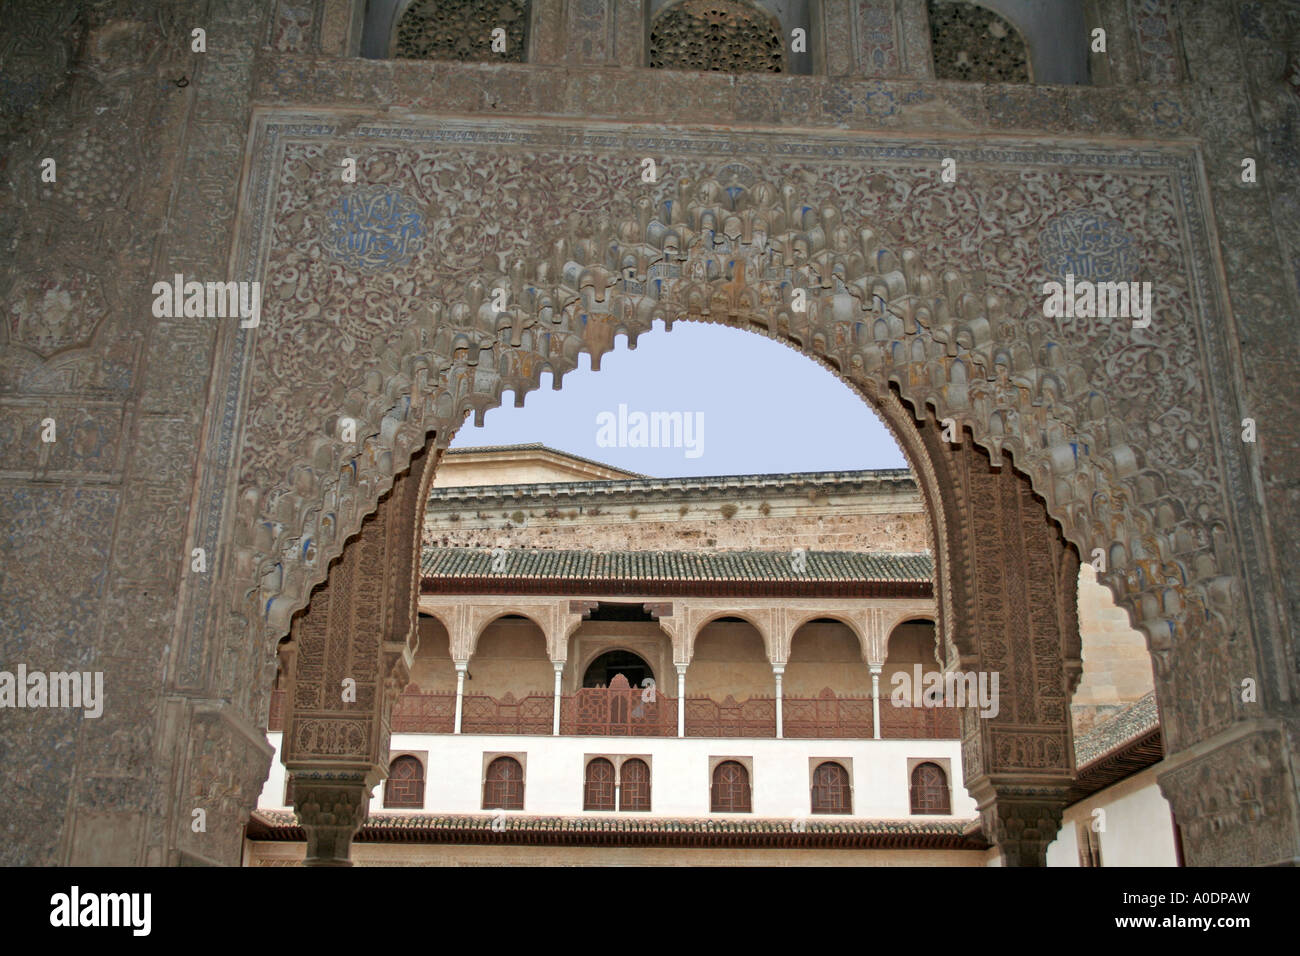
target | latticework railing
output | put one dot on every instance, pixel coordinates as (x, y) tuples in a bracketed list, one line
[(533, 714), (622, 712), (827, 716), (921, 723), (420, 713), (618, 712), (755, 717)]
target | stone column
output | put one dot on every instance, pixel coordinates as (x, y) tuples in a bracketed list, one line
[(778, 672), (1009, 582), (461, 668), (681, 700), (355, 644), (875, 698), (555, 720)]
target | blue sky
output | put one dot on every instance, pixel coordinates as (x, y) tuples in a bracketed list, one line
[(763, 408)]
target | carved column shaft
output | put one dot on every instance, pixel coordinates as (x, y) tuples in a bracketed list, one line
[(1012, 623), (354, 648)]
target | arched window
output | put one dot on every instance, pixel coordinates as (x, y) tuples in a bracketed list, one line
[(830, 790), (971, 42), (598, 789), (462, 30), (634, 785), (404, 788), (504, 787), (288, 790), (730, 788), (724, 36), (930, 789)]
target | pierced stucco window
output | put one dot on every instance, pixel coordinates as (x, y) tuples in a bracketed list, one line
[(725, 36), (446, 30), (971, 42)]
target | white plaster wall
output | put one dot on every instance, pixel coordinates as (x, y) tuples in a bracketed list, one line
[(1138, 825), (679, 773)]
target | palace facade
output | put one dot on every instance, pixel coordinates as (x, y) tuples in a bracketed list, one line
[(621, 669)]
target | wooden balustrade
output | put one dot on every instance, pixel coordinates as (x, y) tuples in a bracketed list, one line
[(618, 712), (630, 712), (489, 715), (755, 717), (419, 713), (828, 715), (920, 723)]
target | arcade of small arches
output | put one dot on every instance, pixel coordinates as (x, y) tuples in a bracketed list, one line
[(763, 668)]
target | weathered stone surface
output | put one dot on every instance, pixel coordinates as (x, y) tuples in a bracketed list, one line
[(1133, 438)]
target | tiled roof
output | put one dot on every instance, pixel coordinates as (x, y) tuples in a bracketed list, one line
[(1134, 721), (1127, 743), (634, 831), (746, 566)]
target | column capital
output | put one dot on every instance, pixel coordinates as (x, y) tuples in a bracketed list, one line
[(1021, 816), (331, 806)]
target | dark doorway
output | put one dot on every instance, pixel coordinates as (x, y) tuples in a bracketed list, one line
[(608, 665)]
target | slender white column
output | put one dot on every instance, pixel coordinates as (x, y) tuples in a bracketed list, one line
[(461, 668), (555, 720), (778, 671), (875, 698), (681, 700)]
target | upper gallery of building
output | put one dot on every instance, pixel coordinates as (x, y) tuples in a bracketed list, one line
[(1003, 41)]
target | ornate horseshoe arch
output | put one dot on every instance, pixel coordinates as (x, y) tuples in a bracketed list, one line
[(734, 249)]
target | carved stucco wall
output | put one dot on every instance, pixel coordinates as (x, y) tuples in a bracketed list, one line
[(135, 389), (1089, 204)]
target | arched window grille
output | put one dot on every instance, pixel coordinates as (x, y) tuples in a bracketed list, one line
[(504, 787), (971, 42), (404, 788), (726, 36), (462, 30), (634, 785), (930, 789), (730, 788), (598, 788), (831, 792)]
